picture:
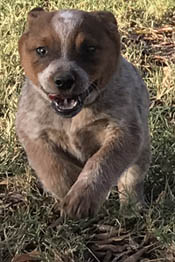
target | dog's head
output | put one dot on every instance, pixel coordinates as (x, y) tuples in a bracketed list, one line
[(70, 55)]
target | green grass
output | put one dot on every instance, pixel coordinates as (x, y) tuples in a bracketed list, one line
[(29, 220)]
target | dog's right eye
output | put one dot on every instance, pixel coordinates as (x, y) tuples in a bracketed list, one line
[(41, 51)]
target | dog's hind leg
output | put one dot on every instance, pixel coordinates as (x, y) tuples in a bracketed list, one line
[(131, 183)]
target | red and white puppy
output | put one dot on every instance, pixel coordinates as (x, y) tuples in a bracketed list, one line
[(82, 116)]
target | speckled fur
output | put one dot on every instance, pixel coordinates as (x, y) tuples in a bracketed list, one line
[(80, 159)]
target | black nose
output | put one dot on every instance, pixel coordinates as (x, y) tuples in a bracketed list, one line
[(65, 81)]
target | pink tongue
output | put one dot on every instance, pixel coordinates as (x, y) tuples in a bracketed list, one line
[(53, 96)]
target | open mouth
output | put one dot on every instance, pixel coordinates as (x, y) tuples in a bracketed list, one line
[(70, 106)]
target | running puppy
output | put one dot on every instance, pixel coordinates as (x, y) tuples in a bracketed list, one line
[(82, 116)]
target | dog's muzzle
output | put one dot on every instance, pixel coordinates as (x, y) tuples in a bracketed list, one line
[(70, 106)]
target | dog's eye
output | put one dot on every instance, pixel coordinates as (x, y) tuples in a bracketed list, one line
[(91, 49), (88, 48), (41, 51)]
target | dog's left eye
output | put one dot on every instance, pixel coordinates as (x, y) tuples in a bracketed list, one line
[(41, 51), (88, 48), (91, 49)]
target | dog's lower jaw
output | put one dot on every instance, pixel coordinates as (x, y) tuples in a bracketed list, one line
[(67, 113)]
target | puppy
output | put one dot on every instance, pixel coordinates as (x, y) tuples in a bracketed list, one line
[(82, 115)]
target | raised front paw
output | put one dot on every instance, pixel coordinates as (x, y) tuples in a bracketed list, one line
[(81, 201)]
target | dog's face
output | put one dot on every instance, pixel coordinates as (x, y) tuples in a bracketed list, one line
[(70, 55)]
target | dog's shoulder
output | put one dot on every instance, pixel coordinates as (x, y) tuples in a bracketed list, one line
[(131, 80), (35, 113)]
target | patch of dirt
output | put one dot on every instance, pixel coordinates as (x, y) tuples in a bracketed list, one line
[(157, 44)]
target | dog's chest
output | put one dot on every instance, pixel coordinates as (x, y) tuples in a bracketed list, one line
[(81, 139), (86, 137), (84, 143)]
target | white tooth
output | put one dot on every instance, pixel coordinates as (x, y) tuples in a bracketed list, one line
[(68, 103), (65, 102), (73, 103)]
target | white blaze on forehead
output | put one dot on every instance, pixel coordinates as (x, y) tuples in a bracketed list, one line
[(64, 23), (66, 15)]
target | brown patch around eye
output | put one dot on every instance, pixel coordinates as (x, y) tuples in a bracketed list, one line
[(86, 46), (79, 40), (83, 40), (41, 51)]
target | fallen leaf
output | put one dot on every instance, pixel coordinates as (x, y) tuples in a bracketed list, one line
[(4, 182), (15, 198), (135, 257), (33, 256), (108, 238), (113, 248)]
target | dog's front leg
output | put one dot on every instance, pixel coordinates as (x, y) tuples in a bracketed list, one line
[(101, 172), (56, 170)]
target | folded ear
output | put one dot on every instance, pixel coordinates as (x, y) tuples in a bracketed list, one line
[(32, 17), (35, 12), (107, 18), (110, 24)]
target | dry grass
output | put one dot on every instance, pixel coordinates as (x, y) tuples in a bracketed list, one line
[(30, 225)]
